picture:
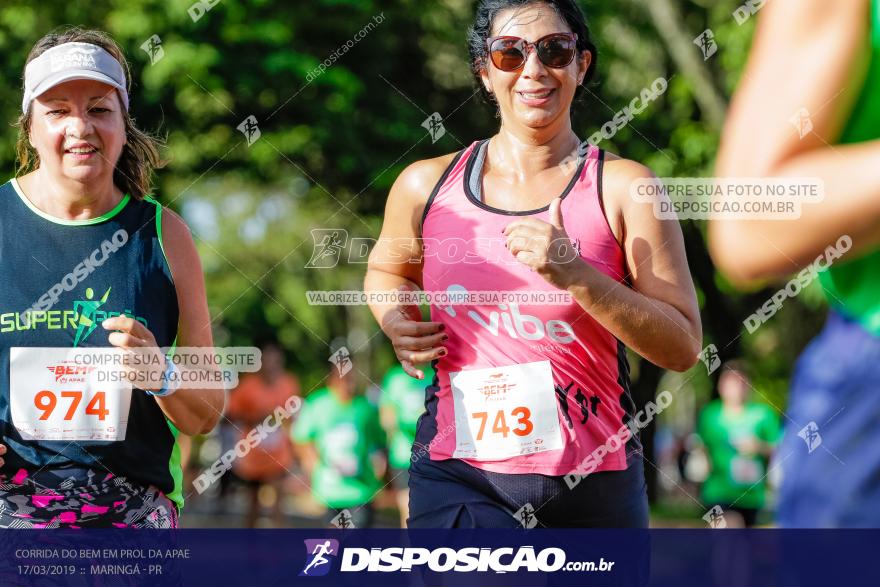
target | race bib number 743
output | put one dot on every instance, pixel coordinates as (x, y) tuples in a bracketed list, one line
[(58, 394), (502, 412)]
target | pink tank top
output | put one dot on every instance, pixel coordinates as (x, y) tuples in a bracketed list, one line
[(464, 250)]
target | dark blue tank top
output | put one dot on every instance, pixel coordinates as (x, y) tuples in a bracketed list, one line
[(49, 265)]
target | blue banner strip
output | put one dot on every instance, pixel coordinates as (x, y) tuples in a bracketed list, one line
[(673, 558)]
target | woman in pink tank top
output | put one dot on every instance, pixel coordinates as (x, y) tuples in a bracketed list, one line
[(541, 270)]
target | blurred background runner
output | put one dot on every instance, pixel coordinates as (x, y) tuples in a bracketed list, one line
[(739, 436), (341, 442), (257, 396), (401, 404)]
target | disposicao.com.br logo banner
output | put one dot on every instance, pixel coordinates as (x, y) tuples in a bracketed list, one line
[(394, 559)]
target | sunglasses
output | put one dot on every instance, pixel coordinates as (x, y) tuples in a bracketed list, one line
[(555, 50)]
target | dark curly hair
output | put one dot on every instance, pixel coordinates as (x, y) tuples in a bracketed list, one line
[(481, 30)]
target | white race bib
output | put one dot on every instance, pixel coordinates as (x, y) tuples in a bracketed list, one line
[(340, 444), (745, 470), (503, 412), (64, 394)]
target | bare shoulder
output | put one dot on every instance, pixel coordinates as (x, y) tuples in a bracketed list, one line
[(618, 177), (619, 170), (418, 179), (410, 192), (174, 229), (179, 246)]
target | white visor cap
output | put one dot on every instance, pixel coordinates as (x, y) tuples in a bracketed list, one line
[(71, 61)]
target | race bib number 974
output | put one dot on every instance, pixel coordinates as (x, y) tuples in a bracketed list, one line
[(57, 394)]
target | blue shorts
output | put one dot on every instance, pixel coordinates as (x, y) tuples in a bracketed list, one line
[(453, 494), (830, 453)]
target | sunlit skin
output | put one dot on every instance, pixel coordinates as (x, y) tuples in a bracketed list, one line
[(79, 114), (807, 54), (88, 116), (535, 132), (657, 316), (518, 111)]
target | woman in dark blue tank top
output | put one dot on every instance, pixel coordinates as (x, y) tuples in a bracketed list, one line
[(90, 263)]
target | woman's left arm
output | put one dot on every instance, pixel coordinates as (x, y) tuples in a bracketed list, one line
[(658, 317), (192, 411)]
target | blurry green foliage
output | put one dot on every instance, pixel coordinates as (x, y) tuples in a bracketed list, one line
[(332, 144)]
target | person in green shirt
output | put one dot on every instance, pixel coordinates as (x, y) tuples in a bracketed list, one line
[(340, 443), (401, 404), (738, 436)]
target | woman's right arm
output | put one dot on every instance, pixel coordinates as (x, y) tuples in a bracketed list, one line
[(396, 263)]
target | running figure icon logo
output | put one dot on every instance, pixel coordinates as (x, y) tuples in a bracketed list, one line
[(250, 129), (803, 122), (810, 435), (434, 125), (715, 517), (710, 358), (344, 520), (86, 310), (341, 359), (526, 516), (153, 48), (317, 561), (706, 42), (327, 247)]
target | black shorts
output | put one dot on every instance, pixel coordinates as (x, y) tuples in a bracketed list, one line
[(453, 494)]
